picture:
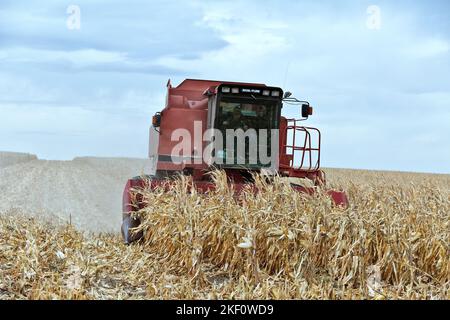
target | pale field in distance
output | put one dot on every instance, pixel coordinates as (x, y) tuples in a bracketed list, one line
[(372, 177)]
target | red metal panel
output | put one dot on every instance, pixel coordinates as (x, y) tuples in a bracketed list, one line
[(339, 198), (173, 119)]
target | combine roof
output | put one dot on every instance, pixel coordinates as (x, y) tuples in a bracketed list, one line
[(198, 84), (190, 92)]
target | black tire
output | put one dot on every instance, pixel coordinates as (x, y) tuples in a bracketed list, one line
[(128, 223)]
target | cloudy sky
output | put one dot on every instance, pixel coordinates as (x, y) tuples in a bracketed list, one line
[(377, 72)]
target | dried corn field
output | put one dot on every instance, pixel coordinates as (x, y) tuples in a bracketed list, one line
[(391, 243)]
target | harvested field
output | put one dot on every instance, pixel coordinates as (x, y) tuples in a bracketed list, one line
[(12, 158), (86, 192), (391, 243)]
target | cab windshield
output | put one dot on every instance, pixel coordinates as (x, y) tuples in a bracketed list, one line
[(240, 115), (246, 115)]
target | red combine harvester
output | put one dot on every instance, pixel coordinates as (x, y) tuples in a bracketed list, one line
[(196, 107)]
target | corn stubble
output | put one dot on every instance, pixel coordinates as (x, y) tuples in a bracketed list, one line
[(391, 243)]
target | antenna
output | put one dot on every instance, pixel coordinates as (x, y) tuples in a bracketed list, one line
[(286, 74)]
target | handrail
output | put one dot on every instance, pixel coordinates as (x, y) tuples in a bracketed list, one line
[(306, 148)]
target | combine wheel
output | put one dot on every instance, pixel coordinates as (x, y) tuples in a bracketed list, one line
[(130, 203), (128, 224)]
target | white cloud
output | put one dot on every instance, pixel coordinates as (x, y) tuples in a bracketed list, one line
[(428, 48), (19, 88), (84, 57)]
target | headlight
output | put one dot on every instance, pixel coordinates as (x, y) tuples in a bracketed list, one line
[(275, 93), (225, 89)]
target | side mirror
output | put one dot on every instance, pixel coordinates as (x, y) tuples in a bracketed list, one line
[(156, 120), (307, 110)]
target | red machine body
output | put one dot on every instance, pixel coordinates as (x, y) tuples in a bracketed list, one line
[(192, 106)]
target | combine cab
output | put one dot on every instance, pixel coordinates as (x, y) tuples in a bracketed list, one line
[(236, 127)]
